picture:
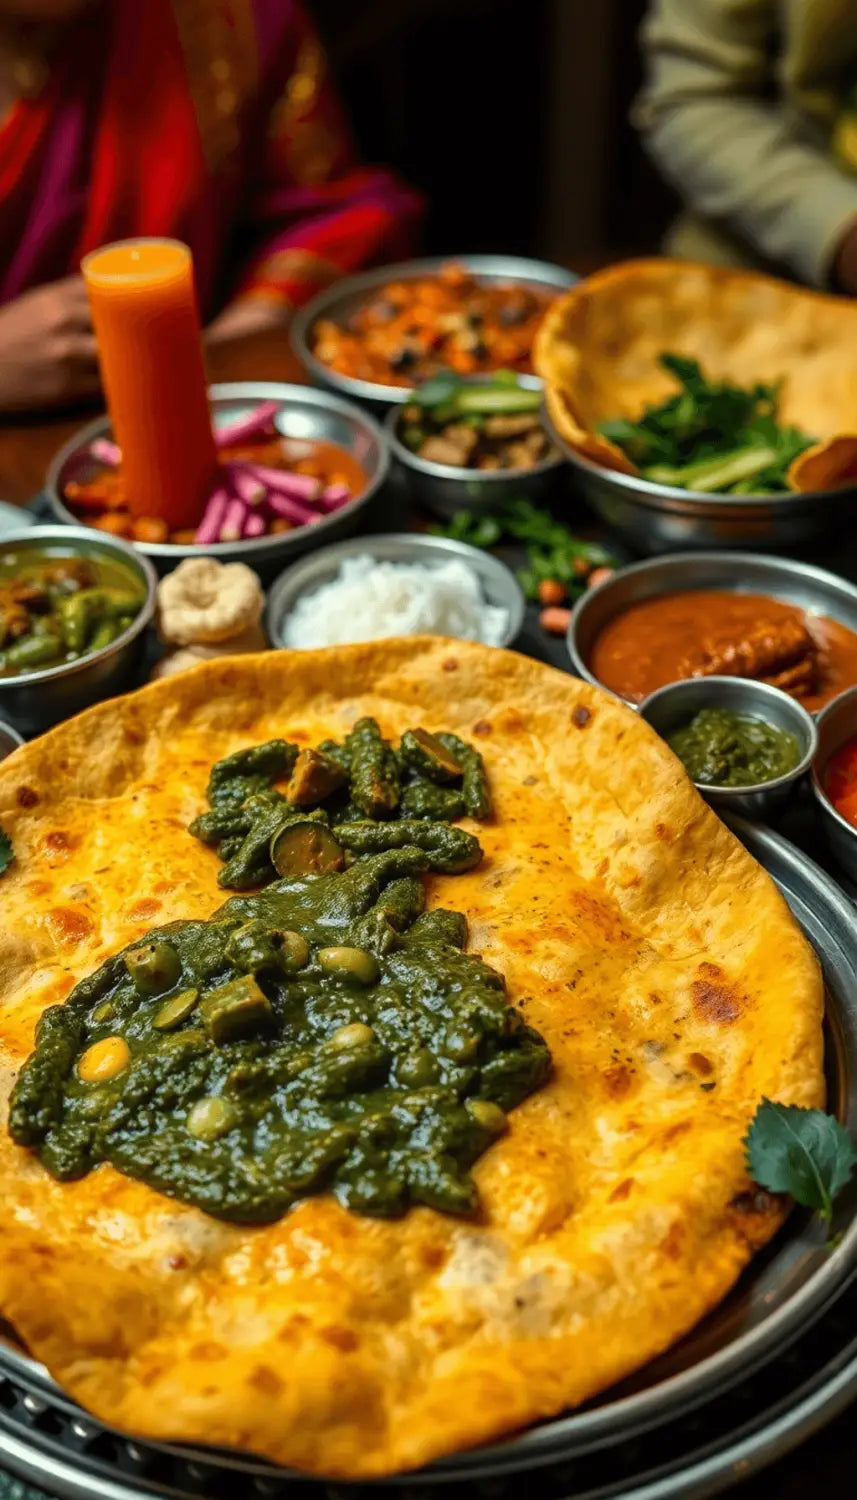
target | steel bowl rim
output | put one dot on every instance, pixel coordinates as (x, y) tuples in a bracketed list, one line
[(12, 734), (725, 795), (705, 556), (520, 268), (356, 546), (819, 793), (87, 535), (232, 390), (667, 497), (457, 472)]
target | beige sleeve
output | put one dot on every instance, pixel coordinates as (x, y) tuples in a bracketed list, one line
[(734, 154)]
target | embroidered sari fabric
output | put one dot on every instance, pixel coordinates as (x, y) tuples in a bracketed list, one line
[(212, 121)]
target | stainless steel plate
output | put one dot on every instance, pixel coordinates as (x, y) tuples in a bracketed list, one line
[(341, 299), (664, 1433)]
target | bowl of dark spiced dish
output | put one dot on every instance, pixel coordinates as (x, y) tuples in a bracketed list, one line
[(744, 743), (719, 614)]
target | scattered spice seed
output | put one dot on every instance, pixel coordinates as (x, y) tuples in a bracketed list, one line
[(555, 620), (551, 591), (599, 575)]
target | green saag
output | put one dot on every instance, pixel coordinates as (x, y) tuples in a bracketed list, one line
[(712, 436), (323, 1034)]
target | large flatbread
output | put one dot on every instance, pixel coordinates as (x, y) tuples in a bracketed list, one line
[(655, 956)]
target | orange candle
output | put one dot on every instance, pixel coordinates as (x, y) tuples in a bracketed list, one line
[(144, 309)]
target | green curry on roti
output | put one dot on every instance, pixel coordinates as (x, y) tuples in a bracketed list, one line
[(324, 1033)]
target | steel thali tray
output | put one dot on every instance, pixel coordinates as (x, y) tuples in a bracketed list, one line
[(764, 1370)]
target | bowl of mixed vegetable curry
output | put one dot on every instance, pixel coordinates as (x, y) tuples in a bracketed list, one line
[(73, 614), (377, 335)]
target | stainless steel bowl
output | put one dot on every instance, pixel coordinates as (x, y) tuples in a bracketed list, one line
[(836, 723), (449, 488), (344, 297), (304, 413), (14, 518), (670, 708), (499, 585), (811, 589), (32, 701), (10, 739), (659, 518)]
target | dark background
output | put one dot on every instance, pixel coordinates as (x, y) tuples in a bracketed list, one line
[(510, 115)]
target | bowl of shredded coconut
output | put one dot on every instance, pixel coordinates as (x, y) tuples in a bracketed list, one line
[(399, 584)]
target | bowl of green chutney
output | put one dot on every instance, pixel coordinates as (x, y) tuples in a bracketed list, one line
[(744, 744)]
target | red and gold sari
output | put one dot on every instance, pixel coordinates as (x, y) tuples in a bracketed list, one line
[(213, 121)]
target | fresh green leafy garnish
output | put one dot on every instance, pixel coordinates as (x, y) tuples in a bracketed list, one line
[(440, 388), (803, 1152), (553, 552), (7, 853), (447, 397), (712, 436), (472, 527)]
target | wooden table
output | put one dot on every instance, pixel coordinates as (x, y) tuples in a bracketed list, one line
[(27, 445)]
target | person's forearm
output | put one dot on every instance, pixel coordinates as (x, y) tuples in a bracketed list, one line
[(737, 161), (245, 316), (733, 154)]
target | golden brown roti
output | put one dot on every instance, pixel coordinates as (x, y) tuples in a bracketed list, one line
[(598, 346), (637, 935)]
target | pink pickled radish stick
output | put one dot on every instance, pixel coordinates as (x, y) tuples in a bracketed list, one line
[(293, 510), (334, 497), (254, 524), (256, 424), (233, 520), (213, 516), (106, 452), (246, 487), (296, 486)]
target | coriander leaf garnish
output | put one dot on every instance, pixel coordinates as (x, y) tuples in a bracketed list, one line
[(7, 853), (439, 388), (553, 552), (803, 1152)]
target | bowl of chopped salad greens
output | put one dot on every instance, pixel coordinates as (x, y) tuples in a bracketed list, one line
[(709, 466)]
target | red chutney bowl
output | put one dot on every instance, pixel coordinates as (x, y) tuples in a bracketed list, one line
[(834, 777)]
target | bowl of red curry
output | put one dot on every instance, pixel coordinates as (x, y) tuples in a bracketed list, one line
[(834, 778), (716, 614)]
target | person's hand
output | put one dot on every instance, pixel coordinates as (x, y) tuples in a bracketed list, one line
[(845, 264), (244, 317), (47, 347)]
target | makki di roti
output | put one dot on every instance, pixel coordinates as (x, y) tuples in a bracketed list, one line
[(636, 935), (600, 344)]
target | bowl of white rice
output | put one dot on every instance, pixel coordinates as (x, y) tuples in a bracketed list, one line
[(399, 584)]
